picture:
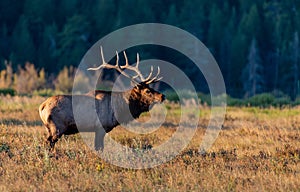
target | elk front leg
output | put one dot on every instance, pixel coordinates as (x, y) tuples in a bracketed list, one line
[(99, 139)]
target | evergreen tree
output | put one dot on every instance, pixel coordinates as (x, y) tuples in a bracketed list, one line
[(139, 13), (73, 41), (253, 81), (39, 11), (225, 59), (47, 52), (23, 48), (103, 18), (251, 24), (237, 57), (64, 10), (216, 27), (172, 15), (192, 17), (4, 44), (271, 45), (10, 11), (295, 65)]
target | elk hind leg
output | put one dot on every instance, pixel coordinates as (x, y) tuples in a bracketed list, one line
[(48, 138), (53, 135)]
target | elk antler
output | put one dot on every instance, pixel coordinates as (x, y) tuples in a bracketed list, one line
[(135, 69)]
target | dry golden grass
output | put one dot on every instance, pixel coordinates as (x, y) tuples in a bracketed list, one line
[(257, 150)]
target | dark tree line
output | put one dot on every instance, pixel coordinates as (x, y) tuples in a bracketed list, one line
[(256, 43)]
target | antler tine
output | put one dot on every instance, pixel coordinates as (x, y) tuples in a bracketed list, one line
[(150, 74), (117, 61), (102, 55), (137, 60), (126, 60), (103, 62), (158, 72), (155, 79), (117, 66), (137, 65), (135, 69)]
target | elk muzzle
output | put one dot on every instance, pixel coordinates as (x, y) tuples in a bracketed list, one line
[(159, 98)]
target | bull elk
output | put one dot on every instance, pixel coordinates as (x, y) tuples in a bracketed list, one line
[(99, 111)]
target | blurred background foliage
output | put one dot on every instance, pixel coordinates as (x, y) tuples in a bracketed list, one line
[(256, 43)]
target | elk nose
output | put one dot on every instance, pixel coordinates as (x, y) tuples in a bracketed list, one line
[(163, 97)]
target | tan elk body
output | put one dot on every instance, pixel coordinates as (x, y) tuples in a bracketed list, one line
[(99, 111)]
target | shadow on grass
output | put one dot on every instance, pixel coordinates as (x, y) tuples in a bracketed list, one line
[(12, 121)]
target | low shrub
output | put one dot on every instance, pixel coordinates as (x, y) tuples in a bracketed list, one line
[(7, 91), (282, 101), (204, 98), (171, 96), (261, 100), (296, 102), (182, 94), (46, 92), (235, 102)]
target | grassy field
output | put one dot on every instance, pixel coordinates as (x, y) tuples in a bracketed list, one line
[(257, 150)]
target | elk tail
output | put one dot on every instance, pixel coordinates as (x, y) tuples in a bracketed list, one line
[(43, 113)]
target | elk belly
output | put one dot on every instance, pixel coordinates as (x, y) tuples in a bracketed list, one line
[(85, 114)]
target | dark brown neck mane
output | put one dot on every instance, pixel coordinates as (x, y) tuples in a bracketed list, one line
[(127, 106)]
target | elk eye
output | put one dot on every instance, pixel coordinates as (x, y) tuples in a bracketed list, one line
[(147, 91)]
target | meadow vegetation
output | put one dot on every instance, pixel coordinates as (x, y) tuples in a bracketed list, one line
[(257, 150)]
